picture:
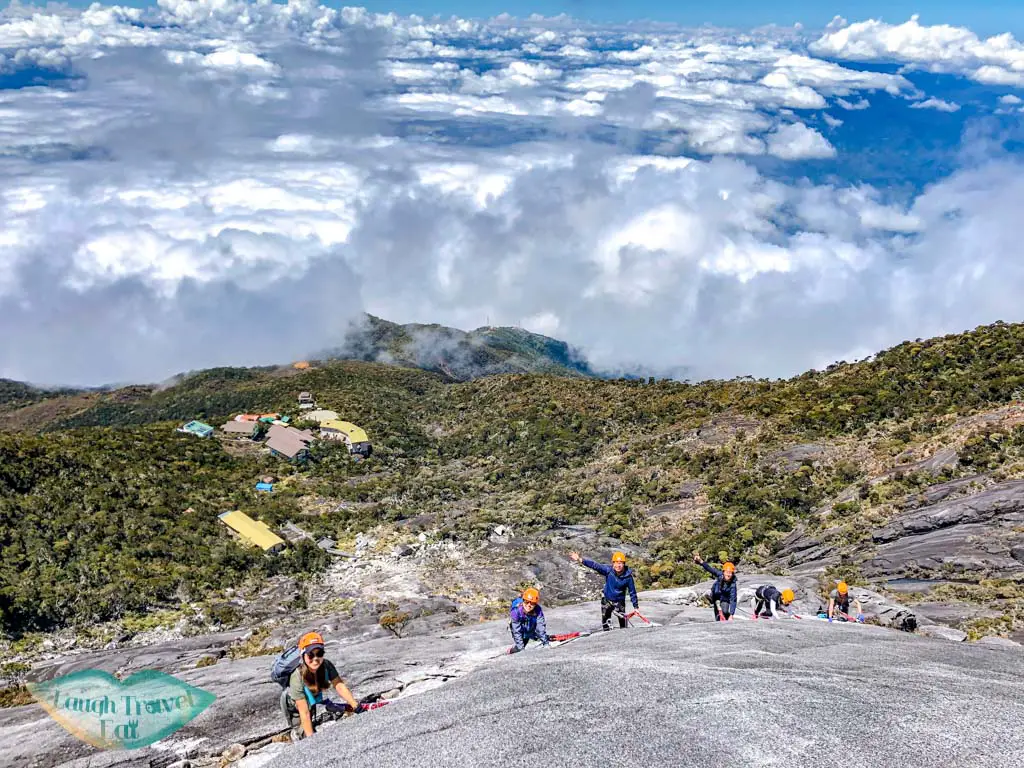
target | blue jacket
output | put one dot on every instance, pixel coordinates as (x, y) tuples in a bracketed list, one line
[(527, 626), (723, 590), (615, 586)]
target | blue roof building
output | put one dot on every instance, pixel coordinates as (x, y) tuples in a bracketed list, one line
[(197, 428)]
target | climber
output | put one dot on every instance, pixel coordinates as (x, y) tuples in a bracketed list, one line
[(617, 580), (526, 621), (311, 678), (723, 591), (839, 604), (767, 594)]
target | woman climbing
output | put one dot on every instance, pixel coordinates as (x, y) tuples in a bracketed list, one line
[(768, 595), (526, 621), (314, 676), (723, 591)]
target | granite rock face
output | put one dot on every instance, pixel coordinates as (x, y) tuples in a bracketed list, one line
[(744, 693), (440, 647), (980, 534)]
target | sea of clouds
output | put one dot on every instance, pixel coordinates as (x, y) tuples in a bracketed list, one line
[(214, 182)]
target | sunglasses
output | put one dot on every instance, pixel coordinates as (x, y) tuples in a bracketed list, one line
[(317, 654)]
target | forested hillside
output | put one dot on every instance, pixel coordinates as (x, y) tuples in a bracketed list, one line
[(107, 510)]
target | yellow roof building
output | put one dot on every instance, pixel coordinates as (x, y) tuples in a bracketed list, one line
[(253, 531), (354, 433)]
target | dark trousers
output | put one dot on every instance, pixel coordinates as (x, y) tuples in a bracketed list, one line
[(607, 608), (720, 611), (527, 637), (291, 712), (763, 606)]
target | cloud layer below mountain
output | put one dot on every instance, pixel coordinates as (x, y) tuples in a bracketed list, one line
[(215, 182)]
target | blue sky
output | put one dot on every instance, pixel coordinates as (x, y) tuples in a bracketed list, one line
[(688, 202), (986, 17)]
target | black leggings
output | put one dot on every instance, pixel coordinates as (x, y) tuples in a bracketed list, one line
[(607, 607), (715, 608), (762, 606)]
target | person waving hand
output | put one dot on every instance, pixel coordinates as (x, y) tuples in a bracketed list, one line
[(723, 591), (618, 579)]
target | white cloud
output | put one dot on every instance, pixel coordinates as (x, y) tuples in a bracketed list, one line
[(227, 59), (230, 185), (853, 106), (1011, 99), (797, 141), (937, 104), (998, 60)]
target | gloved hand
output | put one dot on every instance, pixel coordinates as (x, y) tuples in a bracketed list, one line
[(860, 617), (829, 619)]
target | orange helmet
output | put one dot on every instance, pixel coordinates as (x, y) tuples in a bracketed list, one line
[(728, 569), (618, 557), (310, 640), (787, 596), (842, 588), (531, 595)]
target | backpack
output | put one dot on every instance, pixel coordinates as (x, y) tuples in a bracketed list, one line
[(515, 604), (286, 663)]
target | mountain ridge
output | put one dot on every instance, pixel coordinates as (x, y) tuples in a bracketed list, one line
[(460, 355)]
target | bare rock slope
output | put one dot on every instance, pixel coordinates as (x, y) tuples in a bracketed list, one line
[(699, 672), (977, 535), (787, 693)]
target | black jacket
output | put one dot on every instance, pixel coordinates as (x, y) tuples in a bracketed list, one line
[(723, 591)]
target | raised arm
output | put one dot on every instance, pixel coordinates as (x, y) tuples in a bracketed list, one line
[(711, 569)]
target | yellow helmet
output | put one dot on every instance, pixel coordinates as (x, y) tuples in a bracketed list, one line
[(618, 557), (842, 588), (787, 596)]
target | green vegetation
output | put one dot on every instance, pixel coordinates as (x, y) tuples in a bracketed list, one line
[(96, 524), (15, 696), (394, 621), (14, 392), (254, 646), (108, 513), (1002, 594)]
